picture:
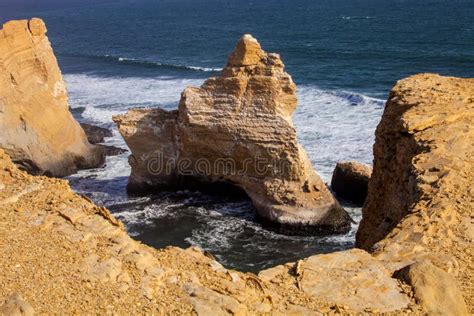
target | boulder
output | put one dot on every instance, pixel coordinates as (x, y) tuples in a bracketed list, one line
[(96, 134), (350, 181), (38, 131), (236, 128), (435, 290)]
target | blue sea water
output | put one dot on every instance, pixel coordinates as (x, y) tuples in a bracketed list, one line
[(344, 56)]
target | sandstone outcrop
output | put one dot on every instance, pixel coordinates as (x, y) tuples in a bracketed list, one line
[(37, 129), (421, 196), (77, 258), (350, 181), (64, 255), (236, 128)]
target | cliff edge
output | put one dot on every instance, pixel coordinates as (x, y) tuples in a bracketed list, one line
[(37, 129), (421, 198), (63, 254)]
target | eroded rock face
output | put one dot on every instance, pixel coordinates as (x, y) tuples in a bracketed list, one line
[(350, 181), (421, 196), (37, 129), (236, 128), (65, 255)]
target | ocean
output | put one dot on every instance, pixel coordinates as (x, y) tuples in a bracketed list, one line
[(344, 55)]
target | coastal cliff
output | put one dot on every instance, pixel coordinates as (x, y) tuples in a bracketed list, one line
[(37, 129), (236, 128), (63, 254), (421, 197)]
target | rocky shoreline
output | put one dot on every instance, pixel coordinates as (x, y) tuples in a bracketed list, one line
[(63, 254)]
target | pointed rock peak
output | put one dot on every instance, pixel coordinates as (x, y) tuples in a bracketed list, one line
[(247, 52), (37, 27)]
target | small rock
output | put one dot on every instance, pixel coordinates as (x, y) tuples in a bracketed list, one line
[(96, 134), (112, 150), (350, 181)]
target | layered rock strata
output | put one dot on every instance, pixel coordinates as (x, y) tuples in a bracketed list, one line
[(236, 128), (421, 198), (37, 129)]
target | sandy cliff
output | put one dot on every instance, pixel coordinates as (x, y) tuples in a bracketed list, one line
[(37, 129), (417, 219), (421, 198), (62, 254), (236, 128)]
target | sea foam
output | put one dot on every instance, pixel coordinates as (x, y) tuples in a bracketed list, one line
[(331, 126)]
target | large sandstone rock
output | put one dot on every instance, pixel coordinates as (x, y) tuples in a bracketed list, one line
[(421, 196), (37, 129), (434, 289), (236, 128), (352, 278), (350, 181)]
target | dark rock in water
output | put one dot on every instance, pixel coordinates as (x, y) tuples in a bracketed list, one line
[(350, 181), (96, 134), (112, 150)]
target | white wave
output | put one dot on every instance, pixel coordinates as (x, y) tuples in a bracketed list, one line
[(156, 63), (344, 17), (206, 69), (103, 97), (335, 126)]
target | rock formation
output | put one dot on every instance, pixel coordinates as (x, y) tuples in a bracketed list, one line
[(350, 181), (96, 135), (236, 128), (421, 196), (37, 129), (64, 255)]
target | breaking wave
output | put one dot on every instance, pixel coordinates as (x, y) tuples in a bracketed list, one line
[(331, 126)]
